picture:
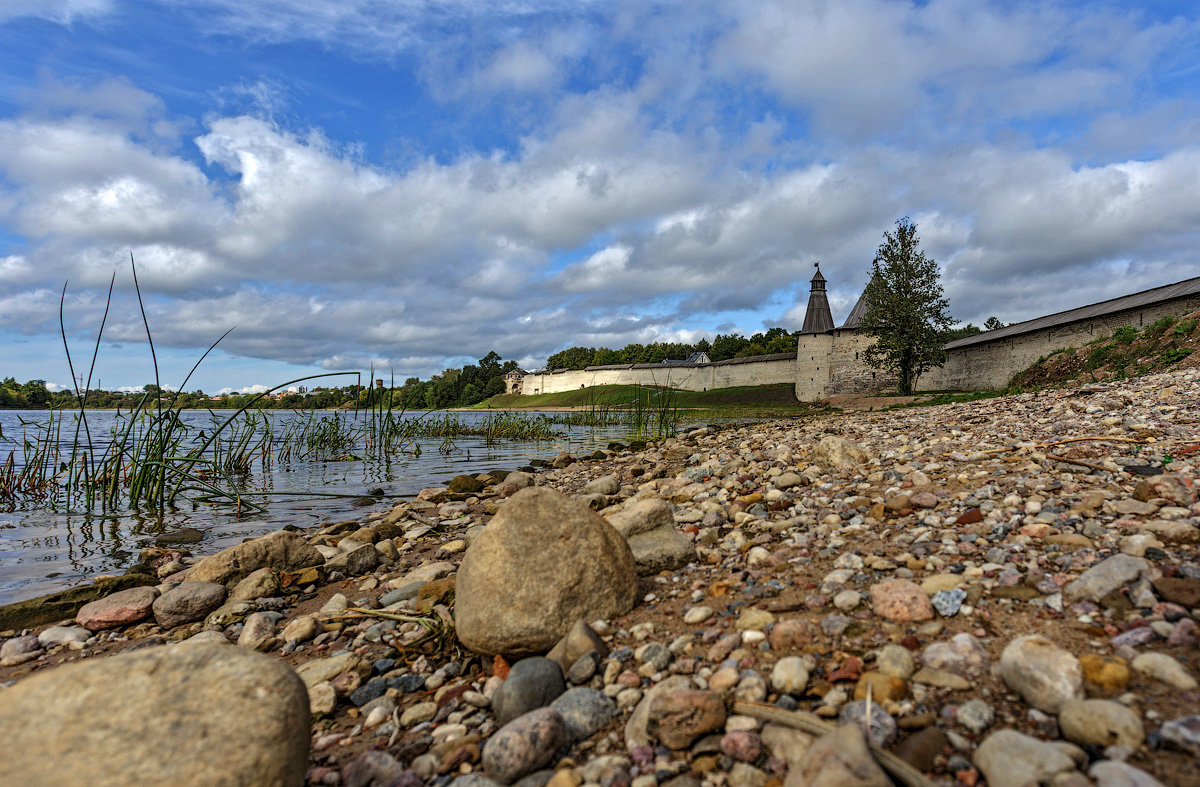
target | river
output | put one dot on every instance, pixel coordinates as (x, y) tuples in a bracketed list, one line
[(44, 548)]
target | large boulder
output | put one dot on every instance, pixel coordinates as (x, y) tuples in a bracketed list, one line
[(196, 714), (544, 562), (649, 529), (282, 551)]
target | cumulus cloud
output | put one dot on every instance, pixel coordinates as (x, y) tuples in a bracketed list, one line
[(687, 197), (61, 11)]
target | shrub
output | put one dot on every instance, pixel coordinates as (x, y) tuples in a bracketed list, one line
[(1159, 326), (1185, 327), (1176, 355), (1125, 334), (1099, 355)]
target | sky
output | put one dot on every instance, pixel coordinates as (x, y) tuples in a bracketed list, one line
[(406, 186)]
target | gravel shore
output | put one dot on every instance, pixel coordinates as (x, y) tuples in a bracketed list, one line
[(1001, 592)]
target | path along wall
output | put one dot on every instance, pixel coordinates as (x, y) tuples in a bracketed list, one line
[(758, 370)]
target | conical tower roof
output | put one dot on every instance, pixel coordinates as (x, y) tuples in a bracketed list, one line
[(817, 318)]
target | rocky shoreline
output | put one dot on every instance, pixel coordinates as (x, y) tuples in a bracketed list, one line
[(1003, 592)]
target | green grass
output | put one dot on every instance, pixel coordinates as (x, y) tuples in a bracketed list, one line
[(779, 397), (1160, 326)]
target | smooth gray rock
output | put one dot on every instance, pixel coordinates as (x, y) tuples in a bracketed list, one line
[(544, 562), (1106, 576), (58, 635), (195, 714), (514, 482), (1045, 675), (1109, 773), (649, 529), (188, 603), (1182, 733), (359, 560), (263, 583), (281, 550), (524, 745), (584, 711), (1100, 723), (1009, 759), (531, 683), (577, 643), (604, 485), (19, 650)]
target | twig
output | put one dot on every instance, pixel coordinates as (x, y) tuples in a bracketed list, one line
[(1099, 438), (806, 722), (355, 613), (1079, 462)]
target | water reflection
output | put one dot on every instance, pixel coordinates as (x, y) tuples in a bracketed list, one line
[(46, 550)]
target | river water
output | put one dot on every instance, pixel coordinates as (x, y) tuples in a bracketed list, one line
[(44, 549)]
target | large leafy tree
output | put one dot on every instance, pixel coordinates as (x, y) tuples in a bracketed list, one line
[(906, 312)]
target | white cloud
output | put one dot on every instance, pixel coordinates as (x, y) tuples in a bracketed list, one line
[(683, 199), (61, 11)]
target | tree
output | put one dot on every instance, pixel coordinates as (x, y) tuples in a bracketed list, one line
[(906, 312), (992, 324)]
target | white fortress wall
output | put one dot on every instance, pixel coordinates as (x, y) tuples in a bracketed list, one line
[(759, 370)]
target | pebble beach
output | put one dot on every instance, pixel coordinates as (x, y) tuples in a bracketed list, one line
[(1002, 592)]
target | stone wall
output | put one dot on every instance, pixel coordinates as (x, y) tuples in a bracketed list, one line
[(759, 370), (827, 364), (987, 364)]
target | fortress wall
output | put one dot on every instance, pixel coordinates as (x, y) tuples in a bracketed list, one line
[(974, 367), (989, 365), (687, 377)]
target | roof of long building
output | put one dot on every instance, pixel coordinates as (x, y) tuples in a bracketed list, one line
[(1137, 300)]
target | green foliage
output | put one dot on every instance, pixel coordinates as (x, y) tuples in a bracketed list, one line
[(906, 312), (1099, 355), (992, 324), (1175, 355), (722, 348), (951, 334), (1160, 326), (1125, 334), (1185, 327)]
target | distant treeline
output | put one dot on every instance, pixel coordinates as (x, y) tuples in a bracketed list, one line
[(721, 348), (33, 395), (451, 388)]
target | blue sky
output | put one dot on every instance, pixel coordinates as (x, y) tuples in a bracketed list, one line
[(351, 184)]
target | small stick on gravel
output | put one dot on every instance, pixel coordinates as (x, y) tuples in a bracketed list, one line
[(806, 722)]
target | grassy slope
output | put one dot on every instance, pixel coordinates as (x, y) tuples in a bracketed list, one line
[(1167, 344)]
